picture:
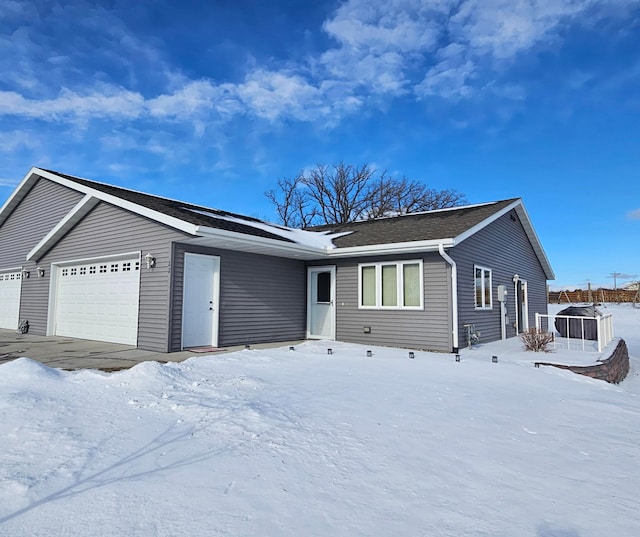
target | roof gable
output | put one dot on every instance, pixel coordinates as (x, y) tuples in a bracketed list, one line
[(427, 231)]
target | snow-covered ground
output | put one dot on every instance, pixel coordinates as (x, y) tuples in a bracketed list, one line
[(297, 443)]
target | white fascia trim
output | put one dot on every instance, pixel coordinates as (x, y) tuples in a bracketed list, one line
[(535, 241), (262, 241), (528, 228), (162, 218), (473, 230), (391, 248), (18, 194), (71, 219)]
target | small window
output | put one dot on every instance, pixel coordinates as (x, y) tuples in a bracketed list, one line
[(137, 265), (482, 284), (323, 294), (92, 269), (83, 271), (103, 268), (126, 267), (65, 272), (391, 285)]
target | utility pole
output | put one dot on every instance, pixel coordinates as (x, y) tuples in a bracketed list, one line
[(615, 276)]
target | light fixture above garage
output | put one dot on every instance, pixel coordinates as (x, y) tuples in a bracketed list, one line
[(40, 272), (151, 261), (25, 273)]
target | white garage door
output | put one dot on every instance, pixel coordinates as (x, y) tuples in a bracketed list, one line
[(99, 301), (10, 299)]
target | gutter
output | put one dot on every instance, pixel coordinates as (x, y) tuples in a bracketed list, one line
[(454, 295)]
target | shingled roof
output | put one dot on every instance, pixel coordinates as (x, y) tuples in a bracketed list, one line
[(194, 214), (427, 231), (431, 225)]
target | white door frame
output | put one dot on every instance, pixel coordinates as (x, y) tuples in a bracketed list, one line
[(332, 303), (521, 305), (54, 276), (215, 298)]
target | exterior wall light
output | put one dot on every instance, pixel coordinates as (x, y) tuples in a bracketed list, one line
[(25, 273), (151, 261), (40, 272)]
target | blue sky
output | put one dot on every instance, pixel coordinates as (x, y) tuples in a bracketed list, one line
[(212, 102)]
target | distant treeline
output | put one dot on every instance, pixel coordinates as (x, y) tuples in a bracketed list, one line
[(597, 295)]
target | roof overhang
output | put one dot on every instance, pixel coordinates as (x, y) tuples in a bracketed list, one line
[(518, 206), (214, 237), (34, 174), (391, 249)]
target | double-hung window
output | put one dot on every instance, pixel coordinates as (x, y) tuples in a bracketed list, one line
[(482, 284), (396, 285)]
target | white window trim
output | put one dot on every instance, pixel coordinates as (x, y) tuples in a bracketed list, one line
[(490, 306), (400, 283)]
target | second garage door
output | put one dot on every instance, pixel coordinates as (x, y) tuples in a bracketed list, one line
[(10, 283), (99, 301)]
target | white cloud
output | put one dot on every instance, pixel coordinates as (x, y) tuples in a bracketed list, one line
[(11, 141), (446, 48), (502, 28), (105, 101), (271, 95), (10, 183), (635, 215)]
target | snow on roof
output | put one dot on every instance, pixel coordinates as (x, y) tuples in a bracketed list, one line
[(312, 239)]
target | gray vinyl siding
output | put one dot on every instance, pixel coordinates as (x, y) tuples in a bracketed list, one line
[(428, 329), (262, 298), (39, 212), (504, 248), (108, 230)]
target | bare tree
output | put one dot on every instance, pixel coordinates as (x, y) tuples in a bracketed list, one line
[(344, 193), (292, 203), (341, 194)]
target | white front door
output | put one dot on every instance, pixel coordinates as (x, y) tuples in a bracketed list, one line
[(321, 304), (522, 306), (10, 284), (98, 300), (200, 306)]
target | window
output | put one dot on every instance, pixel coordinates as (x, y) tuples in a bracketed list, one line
[(323, 291), (482, 288), (391, 285)]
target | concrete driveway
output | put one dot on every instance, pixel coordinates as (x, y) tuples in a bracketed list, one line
[(69, 353)]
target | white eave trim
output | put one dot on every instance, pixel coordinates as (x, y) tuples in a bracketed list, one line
[(233, 236), (391, 248), (528, 228), (18, 194), (63, 227), (157, 216)]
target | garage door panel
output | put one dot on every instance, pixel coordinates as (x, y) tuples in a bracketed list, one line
[(10, 286), (99, 301)]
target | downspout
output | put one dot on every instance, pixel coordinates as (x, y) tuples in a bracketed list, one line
[(454, 295)]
